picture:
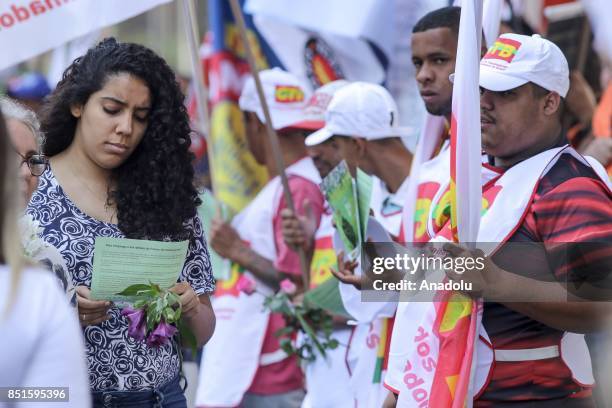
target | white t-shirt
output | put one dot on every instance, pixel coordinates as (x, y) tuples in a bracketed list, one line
[(41, 344)]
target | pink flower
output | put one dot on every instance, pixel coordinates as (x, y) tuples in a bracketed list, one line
[(161, 334), (288, 287), (137, 327), (246, 285)]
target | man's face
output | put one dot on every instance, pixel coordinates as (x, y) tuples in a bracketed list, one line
[(508, 121), (433, 56), (325, 156)]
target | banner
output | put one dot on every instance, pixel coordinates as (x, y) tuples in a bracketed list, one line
[(31, 27), (320, 41), (237, 176)]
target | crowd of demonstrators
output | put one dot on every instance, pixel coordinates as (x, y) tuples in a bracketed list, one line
[(522, 110), (41, 345), (522, 113), (115, 162)]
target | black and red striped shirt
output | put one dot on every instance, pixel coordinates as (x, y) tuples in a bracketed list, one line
[(571, 205)]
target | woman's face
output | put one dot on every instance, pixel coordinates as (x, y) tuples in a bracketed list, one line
[(24, 143), (113, 121)]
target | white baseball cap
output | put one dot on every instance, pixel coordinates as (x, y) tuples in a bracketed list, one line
[(317, 104), (285, 94), (513, 60), (360, 109)]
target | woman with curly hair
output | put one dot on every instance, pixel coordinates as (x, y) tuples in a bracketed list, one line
[(117, 135)]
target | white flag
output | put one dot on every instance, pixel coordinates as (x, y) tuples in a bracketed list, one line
[(466, 190), (29, 28), (318, 40)]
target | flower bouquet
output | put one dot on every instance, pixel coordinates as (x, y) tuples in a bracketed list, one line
[(155, 316), (313, 322)]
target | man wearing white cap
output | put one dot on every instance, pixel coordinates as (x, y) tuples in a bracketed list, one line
[(244, 363), (545, 192), (362, 120)]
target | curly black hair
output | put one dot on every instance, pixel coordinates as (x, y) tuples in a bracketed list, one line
[(155, 194)]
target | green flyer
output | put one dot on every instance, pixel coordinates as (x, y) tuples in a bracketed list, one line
[(119, 263), (341, 193)]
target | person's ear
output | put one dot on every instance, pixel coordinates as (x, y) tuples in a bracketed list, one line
[(76, 110), (552, 103)]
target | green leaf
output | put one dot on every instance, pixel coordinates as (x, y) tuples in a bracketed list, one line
[(277, 304), (168, 314), (139, 304), (153, 316), (284, 331), (305, 353), (287, 346), (333, 344), (159, 305), (134, 290), (156, 290), (311, 334), (173, 299), (151, 321), (165, 300)]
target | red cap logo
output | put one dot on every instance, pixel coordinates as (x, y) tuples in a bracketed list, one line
[(503, 49)]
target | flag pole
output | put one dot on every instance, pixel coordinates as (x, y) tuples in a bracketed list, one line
[(202, 124), (273, 137)]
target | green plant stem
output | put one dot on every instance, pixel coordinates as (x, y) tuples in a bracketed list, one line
[(310, 333)]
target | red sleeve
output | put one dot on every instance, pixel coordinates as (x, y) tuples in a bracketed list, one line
[(287, 260), (577, 210), (574, 220)]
